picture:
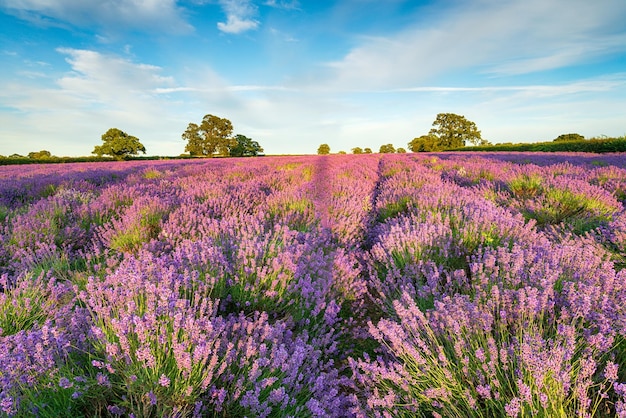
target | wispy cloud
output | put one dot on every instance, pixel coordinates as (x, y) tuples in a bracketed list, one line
[(224, 88), (100, 91), (583, 86), (490, 37), (239, 16), (105, 77), (283, 4), (152, 15)]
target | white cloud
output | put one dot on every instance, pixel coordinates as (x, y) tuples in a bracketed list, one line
[(239, 16), (583, 86), (496, 37), (156, 15), (283, 4), (101, 91), (104, 77)]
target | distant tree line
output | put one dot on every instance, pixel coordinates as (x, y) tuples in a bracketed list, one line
[(449, 131), (594, 145), (213, 137)]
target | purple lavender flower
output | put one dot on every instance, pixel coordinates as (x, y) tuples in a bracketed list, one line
[(164, 381), (65, 383)]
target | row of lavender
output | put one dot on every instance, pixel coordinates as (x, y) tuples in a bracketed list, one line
[(180, 289), (314, 286), (500, 290)]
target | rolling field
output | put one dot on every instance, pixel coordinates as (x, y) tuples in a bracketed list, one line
[(428, 285)]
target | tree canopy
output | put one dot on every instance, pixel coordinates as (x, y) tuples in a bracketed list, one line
[(245, 147), (357, 150), (367, 150), (118, 144), (387, 149), (211, 137), (323, 149), (425, 143), (449, 131), (40, 155), (569, 137), (454, 131)]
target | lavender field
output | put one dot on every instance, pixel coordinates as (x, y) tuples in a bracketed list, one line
[(419, 285)]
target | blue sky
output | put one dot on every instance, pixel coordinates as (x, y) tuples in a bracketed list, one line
[(295, 74)]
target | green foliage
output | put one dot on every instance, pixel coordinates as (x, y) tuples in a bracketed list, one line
[(393, 209), (483, 372), (245, 147), (323, 149), (526, 186), (357, 150), (25, 304), (85, 159), (580, 212), (401, 151), (549, 205), (41, 155), (146, 227), (301, 213), (211, 137), (595, 145), (367, 150), (341, 153), (454, 130), (425, 143), (118, 144), (569, 137), (449, 131), (387, 149)]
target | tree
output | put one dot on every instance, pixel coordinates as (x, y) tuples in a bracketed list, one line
[(323, 149), (40, 155), (367, 150), (569, 137), (245, 147), (211, 137), (454, 131), (357, 150), (425, 143), (387, 149), (401, 151), (118, 144)]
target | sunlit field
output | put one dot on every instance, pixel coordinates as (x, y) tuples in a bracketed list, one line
[(426, 285)]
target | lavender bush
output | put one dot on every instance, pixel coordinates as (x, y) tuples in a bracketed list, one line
[(356, 285)]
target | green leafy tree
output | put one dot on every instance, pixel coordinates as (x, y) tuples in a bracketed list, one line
[(212, 137), (118, 144), (425, 143), (454, 131), (367, 150), (357, 150), (245, 147), (401, 151), (341, 153), (387, 149), (569, 137), (40, 155), (323, 149)]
